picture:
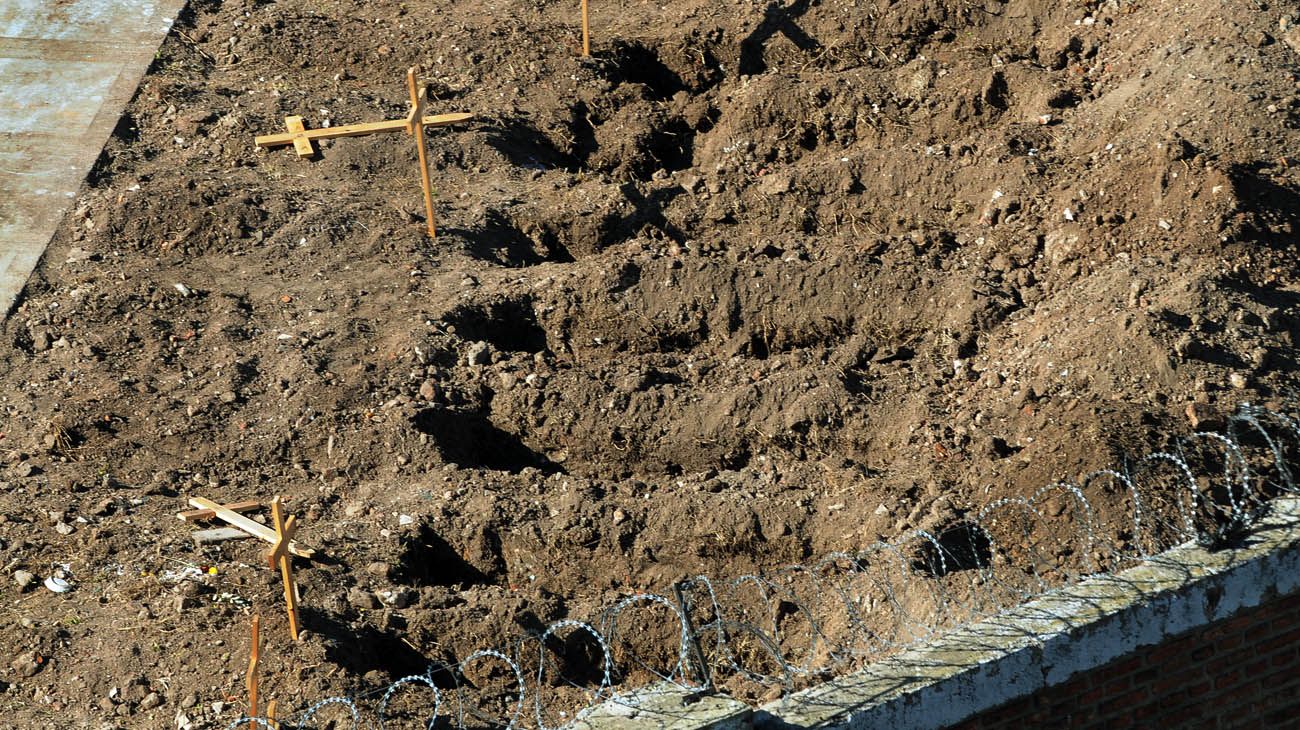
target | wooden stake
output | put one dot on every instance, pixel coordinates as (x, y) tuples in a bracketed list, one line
[(270, 715), (279, 555), (252, 671), (586, 31), (417, 115)]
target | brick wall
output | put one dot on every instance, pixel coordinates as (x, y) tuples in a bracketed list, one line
[(1242, 672)]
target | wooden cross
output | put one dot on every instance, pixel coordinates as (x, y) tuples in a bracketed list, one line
[(279, 556), (229, 514), (301, 138)]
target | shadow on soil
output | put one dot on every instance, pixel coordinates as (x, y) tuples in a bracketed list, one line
[(471, 441), (776, 19), (429, 560)]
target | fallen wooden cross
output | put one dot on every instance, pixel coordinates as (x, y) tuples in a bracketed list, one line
[(230, 514), (301, 138), (218, 534)]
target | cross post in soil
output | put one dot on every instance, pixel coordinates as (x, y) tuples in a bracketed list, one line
[(279, 556), (586, 31), (252, 671), (302, 138), (415, 127)]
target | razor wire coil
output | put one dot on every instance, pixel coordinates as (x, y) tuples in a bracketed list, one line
[(804, 622)]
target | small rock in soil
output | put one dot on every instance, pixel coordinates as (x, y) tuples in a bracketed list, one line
[(478, 354), (398, 597), (24, 579), (428, 390), (1203, 418), (363, 599), (26, 664)]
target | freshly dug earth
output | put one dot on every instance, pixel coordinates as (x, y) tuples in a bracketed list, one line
[(754, 284)]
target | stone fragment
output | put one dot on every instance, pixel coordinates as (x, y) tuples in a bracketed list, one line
[(478, 354), (24, 579), (361, 598), (26, 664), (1203, 418), (428, 390)]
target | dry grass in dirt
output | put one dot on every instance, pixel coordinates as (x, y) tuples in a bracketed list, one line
[(757, 282)]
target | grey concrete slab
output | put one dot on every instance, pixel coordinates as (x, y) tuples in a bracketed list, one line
[(666, 706), (67, 70)]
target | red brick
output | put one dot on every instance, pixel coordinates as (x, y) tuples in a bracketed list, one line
[(1181, 717), (1121, 668), (1125, 702), (1228, 643), (1172, 682), (1221, 630), (1226, 679), (1092, 697), (1256, 669), (1260, 631), (1169, 651), (1240, 694), (1290, 638), (1117, 687), (1247, 653), (1151, 710)]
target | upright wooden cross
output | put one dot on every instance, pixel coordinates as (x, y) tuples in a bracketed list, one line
[(301, 138), (279, 556)]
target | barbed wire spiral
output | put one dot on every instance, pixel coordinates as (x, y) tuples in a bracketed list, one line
[(766, 634)]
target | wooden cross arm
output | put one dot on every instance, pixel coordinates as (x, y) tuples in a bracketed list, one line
[(260, 531), (356, 130), (207, 514)]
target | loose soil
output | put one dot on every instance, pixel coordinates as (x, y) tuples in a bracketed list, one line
[(756, 283)]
